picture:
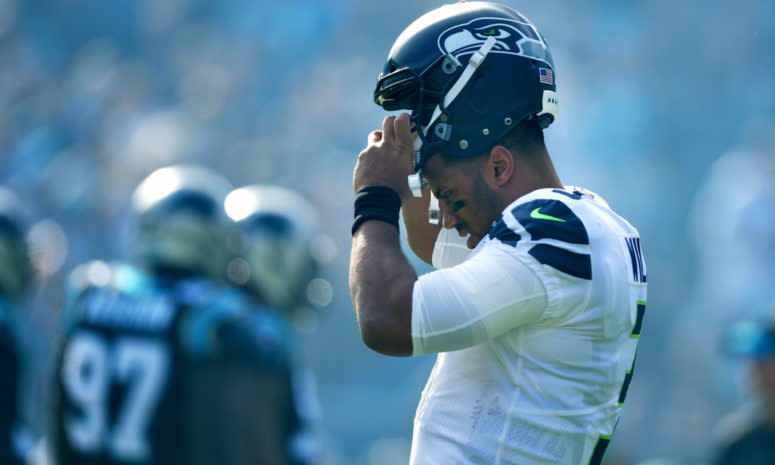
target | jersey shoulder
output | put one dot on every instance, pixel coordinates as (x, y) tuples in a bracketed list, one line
[(231, 327), (103, 278), (557, 226), (98, 274), (549, 226), (553, 214)]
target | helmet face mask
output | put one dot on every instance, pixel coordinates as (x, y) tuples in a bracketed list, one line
[(183, 242), (181, 227), (278, 228), (405, 89), (430, 71), (280, 266)]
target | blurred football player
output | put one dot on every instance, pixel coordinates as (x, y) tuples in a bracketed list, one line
[(160, 364), (278, 228), (15, 274), (747, 436), (537, 326)]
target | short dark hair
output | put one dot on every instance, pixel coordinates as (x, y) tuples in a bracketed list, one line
[(524, 138)]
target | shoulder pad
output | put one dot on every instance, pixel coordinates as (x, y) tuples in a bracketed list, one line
[(117, 276), (554, 233), (97, 273), (551, 219), (129, 279)]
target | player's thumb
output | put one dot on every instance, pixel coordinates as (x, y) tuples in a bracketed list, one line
[(402, 131), (375, 136)]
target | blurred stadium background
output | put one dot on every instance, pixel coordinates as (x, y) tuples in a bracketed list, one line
[(667, 111)]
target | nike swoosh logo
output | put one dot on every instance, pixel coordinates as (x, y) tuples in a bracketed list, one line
[(537, 215)]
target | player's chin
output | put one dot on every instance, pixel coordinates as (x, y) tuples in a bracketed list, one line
[(473, 240)]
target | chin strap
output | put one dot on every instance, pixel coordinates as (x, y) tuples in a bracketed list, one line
[(415, 181)]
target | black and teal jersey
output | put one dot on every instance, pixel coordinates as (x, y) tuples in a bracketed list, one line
[(297, 415), (132, 346), (752, 445), (10, 363)]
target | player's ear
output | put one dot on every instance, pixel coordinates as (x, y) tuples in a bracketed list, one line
[(500, 164)]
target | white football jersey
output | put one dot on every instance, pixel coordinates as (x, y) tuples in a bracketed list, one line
[(450, 249), (536, 333)]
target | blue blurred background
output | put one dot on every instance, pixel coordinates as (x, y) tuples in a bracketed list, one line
[(667, 111)]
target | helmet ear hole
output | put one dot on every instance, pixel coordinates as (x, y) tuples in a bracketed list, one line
[(449, 65), (544, 121)]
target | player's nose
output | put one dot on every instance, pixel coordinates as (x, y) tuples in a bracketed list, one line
[(450, 220)]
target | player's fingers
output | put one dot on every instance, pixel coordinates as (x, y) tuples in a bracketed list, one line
[(374, 137), (403, 135), (388, 131)]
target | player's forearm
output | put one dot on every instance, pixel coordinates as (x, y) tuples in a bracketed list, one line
[(420, 233), (381, 283)]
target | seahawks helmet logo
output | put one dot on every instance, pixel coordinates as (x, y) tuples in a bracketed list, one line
[(512, 38)]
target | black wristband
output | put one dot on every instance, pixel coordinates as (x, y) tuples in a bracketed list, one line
[(376, 203)]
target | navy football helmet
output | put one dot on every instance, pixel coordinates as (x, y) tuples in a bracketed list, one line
[(278, 231), (181, 227), (469, 72), (15, 265)]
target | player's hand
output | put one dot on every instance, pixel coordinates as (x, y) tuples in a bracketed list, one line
[(388, 158)]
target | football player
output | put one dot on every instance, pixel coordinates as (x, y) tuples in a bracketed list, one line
[(536, 328), (278, 229), (160, 364), (746, 436), (15, 274)]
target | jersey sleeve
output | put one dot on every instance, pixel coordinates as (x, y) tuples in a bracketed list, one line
[(487, 295)]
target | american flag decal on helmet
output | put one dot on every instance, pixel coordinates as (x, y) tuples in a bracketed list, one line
[(546, 76)]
